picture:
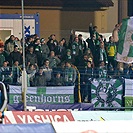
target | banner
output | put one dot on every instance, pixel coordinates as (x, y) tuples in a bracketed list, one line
[(128, 93), (86, 35), (42, 95), (23, 117), (106, 92), (18, 117), (129, 87), (102, 115), (52, 107), (125, 47), (27, 128)]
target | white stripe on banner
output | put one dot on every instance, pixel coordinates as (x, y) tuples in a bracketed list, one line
[(60, 90), (86, 35), (15, 89), (49, 90), (18, 90), (128, 87)]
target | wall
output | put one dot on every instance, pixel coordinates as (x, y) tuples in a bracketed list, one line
[(5, 34), (58, 22), (49, 20), (122, 9), (101, 21), (112, 16), (61, 22), (75, 20)]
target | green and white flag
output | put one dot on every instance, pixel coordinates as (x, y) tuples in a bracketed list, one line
[(125, 47), (106, 92)]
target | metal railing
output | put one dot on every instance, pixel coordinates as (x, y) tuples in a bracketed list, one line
[(3, 99)]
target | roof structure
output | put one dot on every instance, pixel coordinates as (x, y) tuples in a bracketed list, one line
[(89, 5)]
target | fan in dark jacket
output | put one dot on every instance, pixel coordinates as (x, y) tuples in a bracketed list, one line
[(40, 79)]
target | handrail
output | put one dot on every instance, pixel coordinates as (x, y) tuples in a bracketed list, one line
[(78, 73), (3, 88)]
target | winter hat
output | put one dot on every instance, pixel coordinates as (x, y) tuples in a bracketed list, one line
[(15, 46), (42, 40), (68, 50)]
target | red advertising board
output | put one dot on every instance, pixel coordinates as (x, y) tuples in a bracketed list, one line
[(15, 117)]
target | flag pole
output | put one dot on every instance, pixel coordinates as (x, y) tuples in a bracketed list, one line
[(24, 74)]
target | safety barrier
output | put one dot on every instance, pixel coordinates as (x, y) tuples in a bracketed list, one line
[(3, 100), (64, 121)]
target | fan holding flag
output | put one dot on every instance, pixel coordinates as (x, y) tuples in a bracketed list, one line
[(125, 38)]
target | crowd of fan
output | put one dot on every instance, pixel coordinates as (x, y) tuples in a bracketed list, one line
[(57, 63)]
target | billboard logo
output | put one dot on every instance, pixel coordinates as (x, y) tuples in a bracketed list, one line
[(27, 30)]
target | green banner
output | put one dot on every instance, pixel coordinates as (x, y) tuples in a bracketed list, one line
[(128, 101), (42, 95)]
